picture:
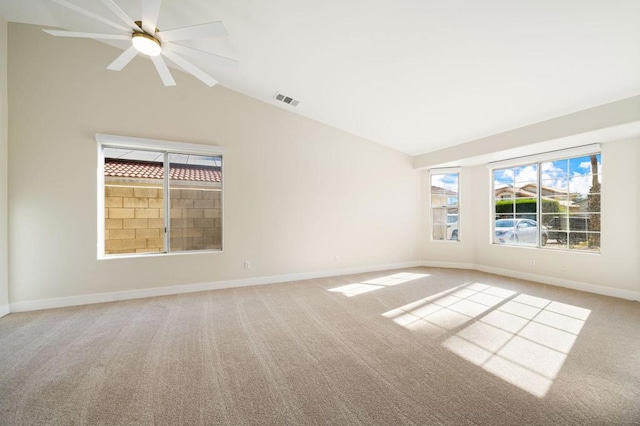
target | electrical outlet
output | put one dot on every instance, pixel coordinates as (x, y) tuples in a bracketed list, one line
[(247, 264), (563, 268), (336, 259), (532, 263)]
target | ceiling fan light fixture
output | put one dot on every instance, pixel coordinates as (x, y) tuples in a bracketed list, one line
[(144, 43), (147, 39)]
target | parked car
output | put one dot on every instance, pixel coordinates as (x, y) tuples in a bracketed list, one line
[(452, 226), (573, 226), (519, 231)]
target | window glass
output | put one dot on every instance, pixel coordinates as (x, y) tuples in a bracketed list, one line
[(133, 201), (196, 202), (566, 202), (576, 224), (445, 207), (515, 195), (144, 212)]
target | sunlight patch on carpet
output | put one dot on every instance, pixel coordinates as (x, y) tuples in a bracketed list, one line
[(519, 338), (355, 289)]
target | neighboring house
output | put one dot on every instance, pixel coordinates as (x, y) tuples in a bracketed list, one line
[(549, 192), (530, 190), (510, 192), (581, 204), (444, 210), (443, 197)]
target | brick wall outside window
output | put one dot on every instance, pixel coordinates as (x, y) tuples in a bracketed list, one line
[(134, 219)]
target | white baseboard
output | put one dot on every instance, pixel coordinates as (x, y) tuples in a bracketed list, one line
[(61, 302), (559, 282), (449, 265)]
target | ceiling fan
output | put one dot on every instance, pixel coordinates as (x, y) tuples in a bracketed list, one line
[(150, 41)]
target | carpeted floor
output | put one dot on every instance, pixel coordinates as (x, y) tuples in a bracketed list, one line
[(419, 346)]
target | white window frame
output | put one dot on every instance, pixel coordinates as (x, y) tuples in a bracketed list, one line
[(157, 145), (444, 171), (538, 159)]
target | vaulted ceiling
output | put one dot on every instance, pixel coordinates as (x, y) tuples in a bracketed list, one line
[(415, 75)]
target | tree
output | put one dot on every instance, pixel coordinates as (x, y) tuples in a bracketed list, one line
[(593, 204)]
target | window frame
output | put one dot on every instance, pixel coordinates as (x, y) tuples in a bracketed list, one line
[(444, 171), (538, 160), (161, 146)]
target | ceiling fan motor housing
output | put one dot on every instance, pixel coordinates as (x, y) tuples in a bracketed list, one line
[(145, 43)]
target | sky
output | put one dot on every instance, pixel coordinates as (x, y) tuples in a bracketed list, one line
[(448, 181), (572, 175)]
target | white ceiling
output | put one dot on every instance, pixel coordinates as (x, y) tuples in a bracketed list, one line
[(415, 75)]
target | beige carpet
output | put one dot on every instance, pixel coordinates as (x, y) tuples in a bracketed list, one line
[(419, 346)]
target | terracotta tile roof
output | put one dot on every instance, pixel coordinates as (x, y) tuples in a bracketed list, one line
[(117, 167)]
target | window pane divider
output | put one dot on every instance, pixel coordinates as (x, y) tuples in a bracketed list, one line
[(167, 203)]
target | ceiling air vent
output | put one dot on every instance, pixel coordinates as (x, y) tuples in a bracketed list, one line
[(286, 99)]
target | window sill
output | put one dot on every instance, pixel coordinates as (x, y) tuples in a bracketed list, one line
[(146, 255)]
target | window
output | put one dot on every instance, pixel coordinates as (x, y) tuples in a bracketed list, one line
[(158, 197), (563, 195), (445, 205)]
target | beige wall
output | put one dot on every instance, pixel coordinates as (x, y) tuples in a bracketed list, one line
[(4, 245), (458, 252), (582, 127), (617, 264), (296, 193), (616, 268)]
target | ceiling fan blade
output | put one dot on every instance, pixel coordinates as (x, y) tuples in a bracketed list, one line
[(150, 12), (212, 29), (121, 14), (205, 56), (59, 33), (190, 68), (90, 14), (122, 60), (163, 71)]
